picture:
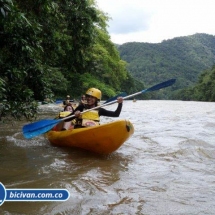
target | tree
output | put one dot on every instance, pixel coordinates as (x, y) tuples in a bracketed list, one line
[(51, 48)]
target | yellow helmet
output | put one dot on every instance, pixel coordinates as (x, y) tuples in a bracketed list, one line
[(94, 92)]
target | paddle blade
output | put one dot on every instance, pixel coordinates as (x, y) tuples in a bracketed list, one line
[(123, 94), (161, 85), (40, 127)]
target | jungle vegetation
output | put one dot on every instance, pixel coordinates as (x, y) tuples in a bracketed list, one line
[(183, 58), (49, 49), (203, 90)]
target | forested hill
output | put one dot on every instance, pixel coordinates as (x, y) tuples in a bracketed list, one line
[(183, 58)]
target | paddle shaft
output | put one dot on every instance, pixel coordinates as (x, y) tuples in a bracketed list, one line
[(115, 97), (103, 105)]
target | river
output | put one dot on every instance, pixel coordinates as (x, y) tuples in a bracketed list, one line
[(167, 167)]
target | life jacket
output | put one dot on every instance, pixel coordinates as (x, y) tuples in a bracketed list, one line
[(64, 114), (61, 115), (89, 118)]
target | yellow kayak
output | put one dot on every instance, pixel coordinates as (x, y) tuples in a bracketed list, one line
[(102, 139)]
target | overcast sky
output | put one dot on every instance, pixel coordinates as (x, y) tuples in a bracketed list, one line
[(156, 20)]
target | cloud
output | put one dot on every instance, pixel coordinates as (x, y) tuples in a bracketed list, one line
[(128, 24), (126, 17), (129, 19), (156, 20)]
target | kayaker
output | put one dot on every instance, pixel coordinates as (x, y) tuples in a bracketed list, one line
[(68, 110), (92, 118), (69, 107), (67, 100)]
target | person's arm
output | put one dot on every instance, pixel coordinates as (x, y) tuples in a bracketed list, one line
[(80, 108), (116, 113)]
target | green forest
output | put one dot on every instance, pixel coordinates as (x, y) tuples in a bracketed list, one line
[(183, 58), (203, 90), (53, 48)]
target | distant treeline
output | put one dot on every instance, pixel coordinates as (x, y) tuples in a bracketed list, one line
[(183, 58)]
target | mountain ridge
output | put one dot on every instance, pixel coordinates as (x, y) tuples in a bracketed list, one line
[(183, 58)]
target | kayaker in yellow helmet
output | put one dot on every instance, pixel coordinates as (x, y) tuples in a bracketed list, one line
[(92, 118)]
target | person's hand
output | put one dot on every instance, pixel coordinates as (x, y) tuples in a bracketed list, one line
[(120, 99), (83, 102), (77, 113)]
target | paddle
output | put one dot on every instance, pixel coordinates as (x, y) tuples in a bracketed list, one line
[(34, 129), (123, 94)]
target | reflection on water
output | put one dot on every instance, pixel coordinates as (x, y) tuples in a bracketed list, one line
[(166, 167)]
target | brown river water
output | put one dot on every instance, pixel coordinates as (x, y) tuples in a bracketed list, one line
[(166, 167)]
